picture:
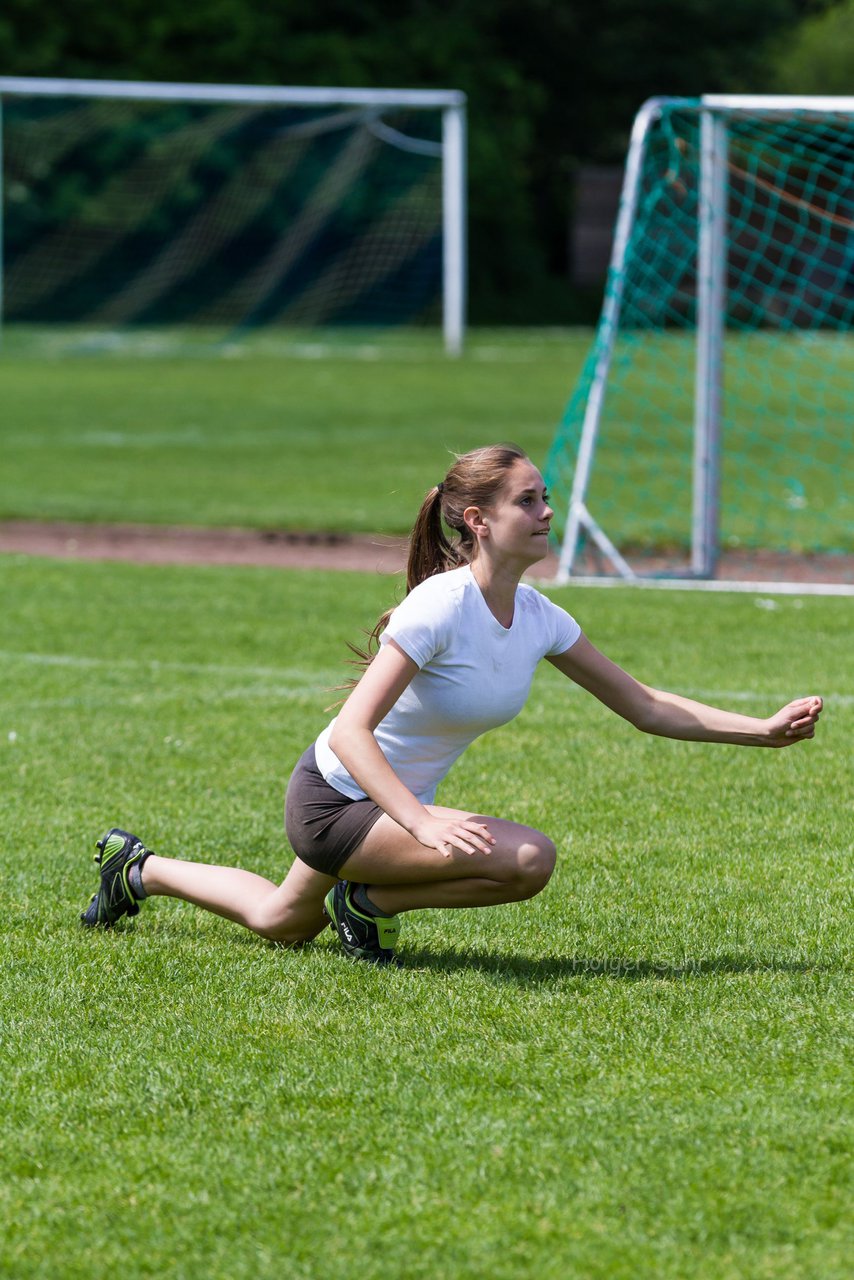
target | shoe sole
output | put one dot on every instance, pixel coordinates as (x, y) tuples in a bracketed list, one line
[(96, 923)]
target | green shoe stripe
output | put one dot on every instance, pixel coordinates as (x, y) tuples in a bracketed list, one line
[(356, 910), (388, 928)]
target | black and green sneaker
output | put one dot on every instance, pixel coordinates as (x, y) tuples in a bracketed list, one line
[(363, 936), (118, 851)]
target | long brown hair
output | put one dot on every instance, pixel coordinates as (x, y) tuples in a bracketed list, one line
[(475, 480)]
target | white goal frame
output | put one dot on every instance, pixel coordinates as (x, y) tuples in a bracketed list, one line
[(452, 149), (715, 110)]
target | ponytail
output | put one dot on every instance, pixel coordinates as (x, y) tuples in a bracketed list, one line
[(430, 552)]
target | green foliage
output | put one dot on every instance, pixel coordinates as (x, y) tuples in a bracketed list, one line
[(549, 84), (818, 57), (640, 1072)]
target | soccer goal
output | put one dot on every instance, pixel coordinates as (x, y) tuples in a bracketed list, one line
[(710, 435), (207, 212)]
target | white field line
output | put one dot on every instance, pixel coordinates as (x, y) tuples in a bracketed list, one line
[(186, 438), (289, 677), (152, 347), (754, 695), (715, 585), (134, 702), (770, 700), (295, 680)]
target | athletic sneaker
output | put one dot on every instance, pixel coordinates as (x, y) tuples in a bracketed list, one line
[(118, 851), (364, 937)]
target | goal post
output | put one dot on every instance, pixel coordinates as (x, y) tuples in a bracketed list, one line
[(223, 208), (711, 433)]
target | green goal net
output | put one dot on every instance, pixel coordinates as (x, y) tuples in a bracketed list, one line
[(711, 432), (179, 215)]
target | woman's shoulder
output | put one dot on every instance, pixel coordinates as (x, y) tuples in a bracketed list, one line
[(546, 618), (537, 605), (452, 580), (450, 585), (428, 618), (437, 597), (532, 599)]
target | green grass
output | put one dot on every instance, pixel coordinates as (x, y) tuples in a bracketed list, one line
[(270, 438), (641, 1072), (346, 433)]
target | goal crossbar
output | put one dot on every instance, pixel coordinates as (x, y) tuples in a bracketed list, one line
[(169, 91)]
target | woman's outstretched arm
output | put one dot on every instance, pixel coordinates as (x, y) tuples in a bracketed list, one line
[(669, 715)]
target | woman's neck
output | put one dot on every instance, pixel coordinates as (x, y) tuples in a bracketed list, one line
[(498, 585)]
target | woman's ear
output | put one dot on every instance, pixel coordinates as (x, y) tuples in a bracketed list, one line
[(476, 521)]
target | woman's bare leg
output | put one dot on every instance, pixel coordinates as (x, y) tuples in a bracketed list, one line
[(404, 875), (289, 912)]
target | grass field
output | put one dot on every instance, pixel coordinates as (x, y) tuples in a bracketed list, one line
[(642, 1072), (298, 435), (269, 439)]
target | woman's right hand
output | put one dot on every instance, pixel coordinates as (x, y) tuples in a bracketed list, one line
[(446, 834)]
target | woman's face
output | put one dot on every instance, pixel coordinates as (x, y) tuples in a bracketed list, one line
[(517, 523)]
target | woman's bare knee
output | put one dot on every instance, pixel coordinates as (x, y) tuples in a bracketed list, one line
[(288, 922), (293, 913), (535, 862), (289, 931)]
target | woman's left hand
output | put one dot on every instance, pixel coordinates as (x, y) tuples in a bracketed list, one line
[(794, 722)]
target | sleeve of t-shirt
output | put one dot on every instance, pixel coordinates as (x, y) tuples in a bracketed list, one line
[(422, 623), (562, 629)]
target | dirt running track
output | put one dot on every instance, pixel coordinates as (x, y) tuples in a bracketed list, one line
[(152, 544), (366, 553)]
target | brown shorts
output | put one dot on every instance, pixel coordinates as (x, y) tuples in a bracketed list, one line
[(323, 826)]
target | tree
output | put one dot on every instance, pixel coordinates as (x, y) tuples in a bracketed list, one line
[(818, 56), (550, 83)]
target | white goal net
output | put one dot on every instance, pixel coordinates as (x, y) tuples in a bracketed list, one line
[(211, 212)]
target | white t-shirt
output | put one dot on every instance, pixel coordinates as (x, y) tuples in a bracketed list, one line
[(474, 675)]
